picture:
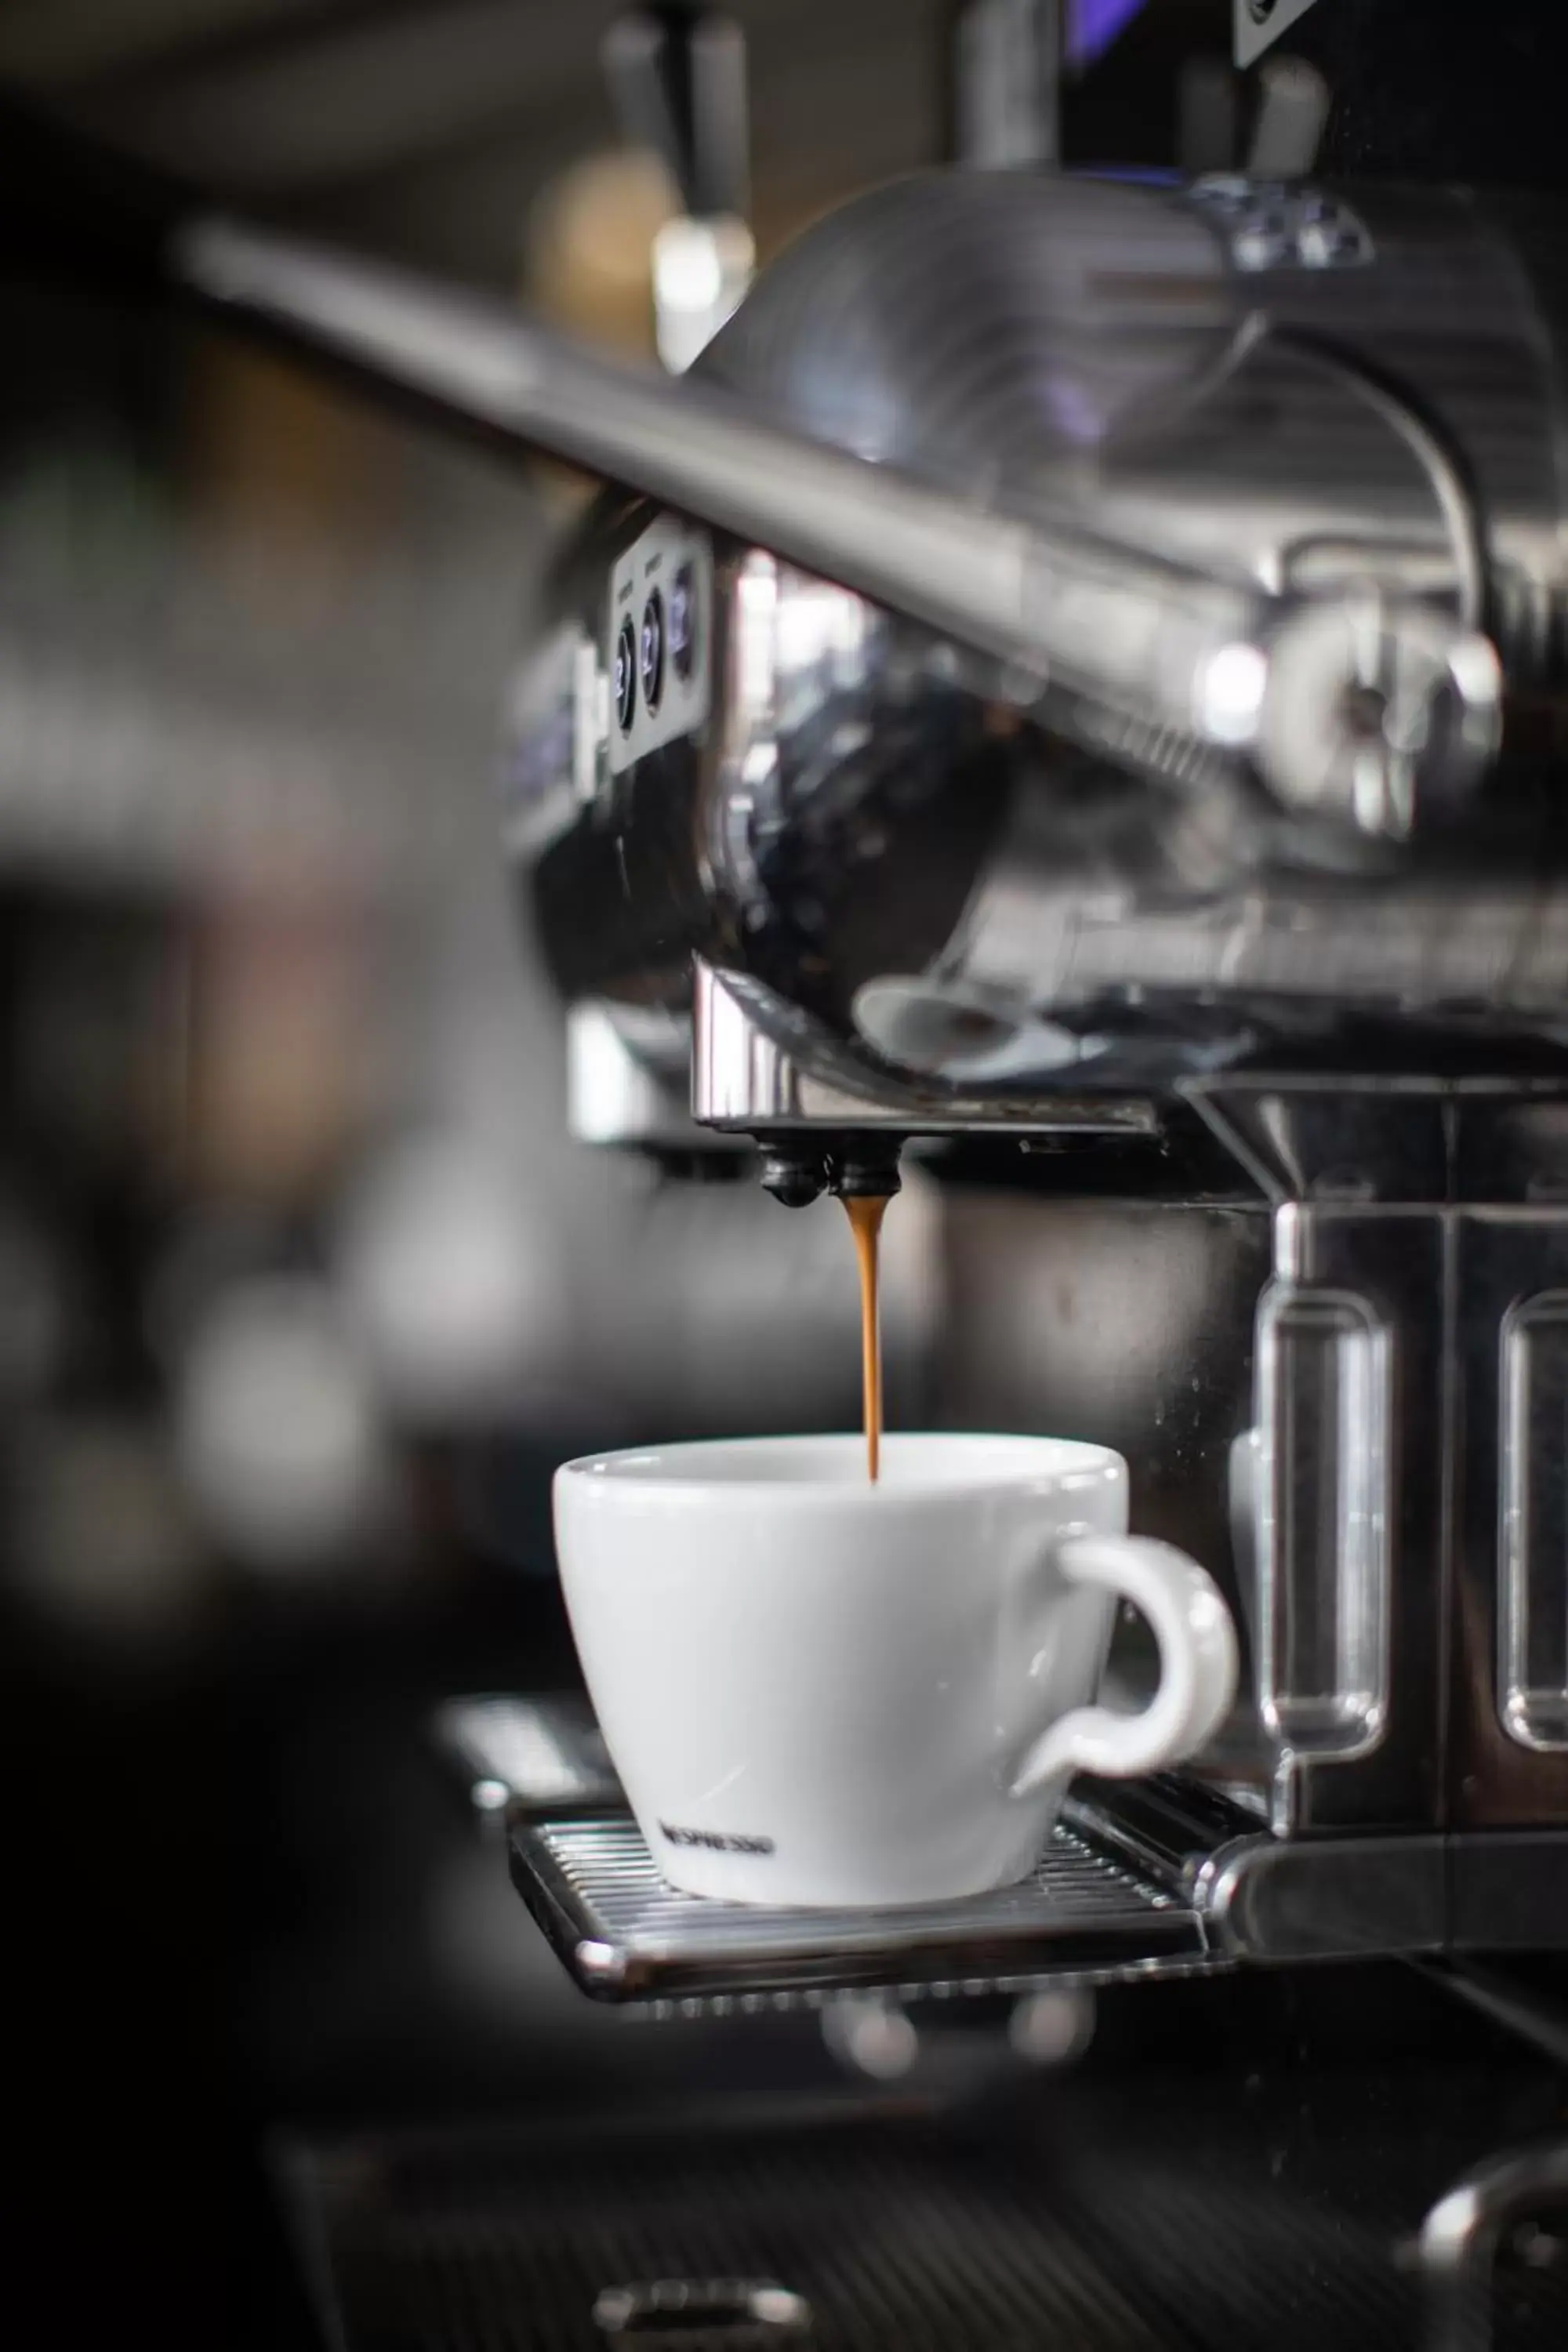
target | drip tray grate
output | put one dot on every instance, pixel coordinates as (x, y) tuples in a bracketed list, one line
[(1084, 1916)]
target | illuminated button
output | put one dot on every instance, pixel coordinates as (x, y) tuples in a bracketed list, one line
[(626, 677), (650, 650), (683, 623)]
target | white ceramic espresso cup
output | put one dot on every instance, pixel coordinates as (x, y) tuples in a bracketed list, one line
[(820, 1691)]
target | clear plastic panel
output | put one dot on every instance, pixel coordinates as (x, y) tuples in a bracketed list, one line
[(1323, 1567), (1532, 1585)]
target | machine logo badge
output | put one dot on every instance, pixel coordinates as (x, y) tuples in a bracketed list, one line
[(1260, 23)]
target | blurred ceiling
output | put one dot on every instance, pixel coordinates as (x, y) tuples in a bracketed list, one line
[(428, 126)]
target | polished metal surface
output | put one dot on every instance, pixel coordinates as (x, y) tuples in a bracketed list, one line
[(1151, 1877), (1335, 812), (1324, 1506), (1407, 1473), (1127, 633), (1007, 65), (1420, 699), (1463, 2236), (1070, 524), (625, 1936), (1354, 1532), (757, 1066), (1140, 1881), (733, 2312), (1515, 1297), (1284, 1899), (1532, 1635), (1311, 413), (1260, 23), (1508, 1726), (1130, 1870), (627, 1080)]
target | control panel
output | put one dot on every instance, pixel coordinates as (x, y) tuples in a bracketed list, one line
[(660, 632)]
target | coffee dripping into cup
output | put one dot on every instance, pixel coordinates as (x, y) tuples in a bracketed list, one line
[(864, 1177), (806, 1644)]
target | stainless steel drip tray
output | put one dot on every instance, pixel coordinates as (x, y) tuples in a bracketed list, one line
[(1086, 1913), (1143, 1878)]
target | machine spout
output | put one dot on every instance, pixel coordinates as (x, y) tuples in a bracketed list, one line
[(798, 1171)]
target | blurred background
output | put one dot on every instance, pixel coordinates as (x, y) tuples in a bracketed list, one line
[(303, 1291)]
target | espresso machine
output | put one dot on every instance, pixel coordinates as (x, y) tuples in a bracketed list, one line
[(1067, 692), (1070, 682), (1100, 723)]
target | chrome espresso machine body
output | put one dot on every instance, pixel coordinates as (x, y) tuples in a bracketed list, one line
[(1072, 683), (1145, 741)]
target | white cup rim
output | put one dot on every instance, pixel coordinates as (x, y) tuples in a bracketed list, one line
[(827, 1472)]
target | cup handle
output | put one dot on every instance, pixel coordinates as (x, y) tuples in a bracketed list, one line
[(1197, 1664)]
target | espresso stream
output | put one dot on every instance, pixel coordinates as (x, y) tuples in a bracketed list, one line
[(866, 1225)]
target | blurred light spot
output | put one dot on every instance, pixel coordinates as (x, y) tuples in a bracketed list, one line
[(689, 273), (757, 592), (872, 2036), (1231, 698), (452, 1293), (1051, 2028), (813, 621), (276, 1433), (590, 245), (700, 270)]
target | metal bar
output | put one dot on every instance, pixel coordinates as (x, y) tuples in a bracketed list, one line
[(1130, 635)]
